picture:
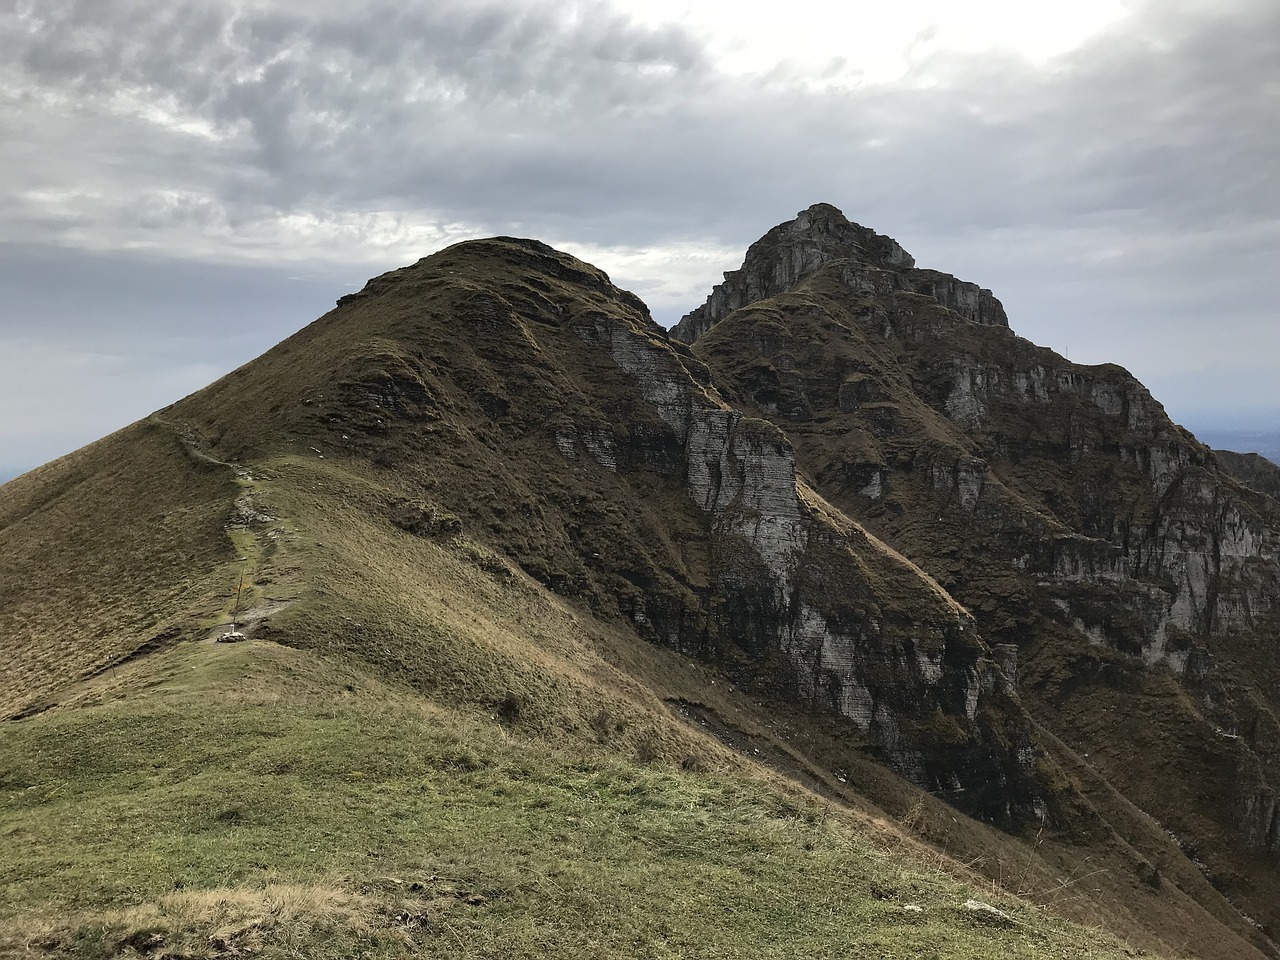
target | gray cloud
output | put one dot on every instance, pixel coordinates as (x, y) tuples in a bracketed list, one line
[(1124, 201), (492, 112), (437, 105)]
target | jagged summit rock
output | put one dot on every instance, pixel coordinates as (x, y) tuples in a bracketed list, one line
[(821, 236), (822, 233)]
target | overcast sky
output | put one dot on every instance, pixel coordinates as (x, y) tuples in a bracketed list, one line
[(183, 184)]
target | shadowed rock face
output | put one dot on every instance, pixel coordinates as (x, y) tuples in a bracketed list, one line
[(1056, 501), (807, 605), (1252, 470)]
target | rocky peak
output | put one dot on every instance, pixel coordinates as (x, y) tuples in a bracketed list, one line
[(830, 235), (792, 251)]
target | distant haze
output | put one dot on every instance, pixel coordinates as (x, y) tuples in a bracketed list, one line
[(183, 185)]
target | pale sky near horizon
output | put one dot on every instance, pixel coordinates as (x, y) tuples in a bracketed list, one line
[(185, 184)]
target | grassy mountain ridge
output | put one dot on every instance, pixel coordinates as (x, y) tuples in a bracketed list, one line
[(456, 526), (91, 545), (388, 827)]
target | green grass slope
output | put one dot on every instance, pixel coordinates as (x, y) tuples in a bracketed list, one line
[(425, 751), (254, 800)]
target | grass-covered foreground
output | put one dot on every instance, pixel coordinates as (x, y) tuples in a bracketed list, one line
[(254, 800)]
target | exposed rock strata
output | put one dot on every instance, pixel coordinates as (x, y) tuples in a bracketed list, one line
[(1056, 501), (890, 652)]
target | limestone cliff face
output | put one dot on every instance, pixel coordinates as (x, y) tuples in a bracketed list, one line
[(1148, 510), (808, 605), (820, 235), (1056, 501)]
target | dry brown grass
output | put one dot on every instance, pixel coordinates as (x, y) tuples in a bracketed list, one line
[(207, 923), (116, 546)]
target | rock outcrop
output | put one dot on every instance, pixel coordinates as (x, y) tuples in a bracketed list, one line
[(871, 263), (806, 604), (1253, 470), (1056, 501)]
